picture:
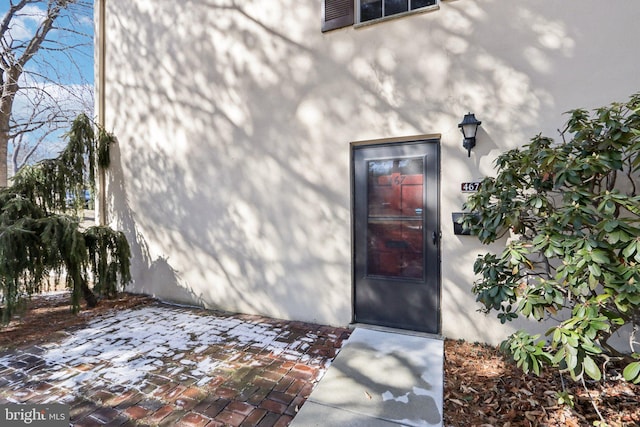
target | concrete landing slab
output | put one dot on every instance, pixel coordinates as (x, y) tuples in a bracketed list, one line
[(379, 378)]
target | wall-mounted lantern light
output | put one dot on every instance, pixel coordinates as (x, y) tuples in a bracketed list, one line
[(469, 127)]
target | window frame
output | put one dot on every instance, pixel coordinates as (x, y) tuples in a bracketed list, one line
[(357, 23)]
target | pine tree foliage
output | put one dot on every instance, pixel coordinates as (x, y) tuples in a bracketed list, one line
[(40, 233)]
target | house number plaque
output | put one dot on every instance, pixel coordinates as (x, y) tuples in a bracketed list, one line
[(470, 187)]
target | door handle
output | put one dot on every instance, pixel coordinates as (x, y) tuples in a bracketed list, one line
[(434, 237)]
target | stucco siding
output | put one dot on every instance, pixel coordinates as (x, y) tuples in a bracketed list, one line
[(231, 175)]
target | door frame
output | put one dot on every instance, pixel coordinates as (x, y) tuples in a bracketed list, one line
[(430, 138)]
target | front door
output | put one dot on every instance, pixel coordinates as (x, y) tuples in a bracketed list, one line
[(397, 235)]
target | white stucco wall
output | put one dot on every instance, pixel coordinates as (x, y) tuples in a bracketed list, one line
[(231, 176)]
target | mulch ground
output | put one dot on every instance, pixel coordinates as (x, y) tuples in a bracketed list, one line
[(482, 388)]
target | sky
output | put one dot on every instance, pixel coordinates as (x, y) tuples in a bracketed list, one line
[(23, 27), (65, 75)]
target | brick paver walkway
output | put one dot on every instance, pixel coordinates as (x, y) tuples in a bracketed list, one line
[(175, 366)]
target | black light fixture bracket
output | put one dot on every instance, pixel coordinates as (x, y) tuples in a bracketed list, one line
[(468, 144)]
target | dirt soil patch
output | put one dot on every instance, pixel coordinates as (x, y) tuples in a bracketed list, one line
[(482, 388)]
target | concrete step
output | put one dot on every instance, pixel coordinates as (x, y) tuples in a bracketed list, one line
[(380, 378)]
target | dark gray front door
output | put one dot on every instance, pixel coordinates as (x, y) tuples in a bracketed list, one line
[(397, 235)]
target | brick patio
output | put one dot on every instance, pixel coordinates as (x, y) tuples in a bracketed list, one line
[(175, 366)]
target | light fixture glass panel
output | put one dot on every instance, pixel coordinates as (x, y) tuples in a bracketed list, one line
[(470, 130)]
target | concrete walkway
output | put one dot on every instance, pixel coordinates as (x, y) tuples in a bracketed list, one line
[(379, 379)]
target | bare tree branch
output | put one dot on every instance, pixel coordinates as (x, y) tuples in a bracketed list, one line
[(35, 100)]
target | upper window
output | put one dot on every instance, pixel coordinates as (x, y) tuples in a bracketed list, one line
[(376, 9), (340, 13)]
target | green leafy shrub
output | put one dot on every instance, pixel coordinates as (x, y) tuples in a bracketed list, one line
[(40, 233), (570, 214)]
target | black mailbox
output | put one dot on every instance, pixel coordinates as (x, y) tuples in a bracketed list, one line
[(458, 229)]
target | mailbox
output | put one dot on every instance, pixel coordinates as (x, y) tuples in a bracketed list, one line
[(458, 229)]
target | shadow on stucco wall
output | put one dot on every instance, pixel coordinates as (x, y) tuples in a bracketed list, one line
[(165, 280), (235, 122)]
